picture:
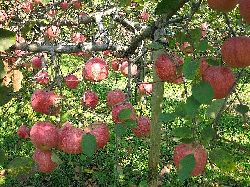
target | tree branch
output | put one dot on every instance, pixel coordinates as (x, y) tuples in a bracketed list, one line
[(148, 31), (69, 48)]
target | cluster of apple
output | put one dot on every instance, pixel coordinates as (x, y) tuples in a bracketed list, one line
[(235, 54), (229, 5), (29, 5), (46, 136), (121, 65)]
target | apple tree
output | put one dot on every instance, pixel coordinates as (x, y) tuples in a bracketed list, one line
[(49, 49)]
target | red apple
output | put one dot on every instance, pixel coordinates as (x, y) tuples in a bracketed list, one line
[(70, 139), (221, 79), (64, 5), (52, 32), (3, 16), (101, 132), (200, 156), (115, 97), (42, 77), (44, 161), (116, 64), (23, 132), (118, 108), (27, 6), (144, 16), (245, 10), (124, 68), (76, 4), (52, 12), (36, 62), (78, 38), (71, 81), (143, 127), (89, 99), (45, 102), (145, 88), (44, 135), (95, 69)]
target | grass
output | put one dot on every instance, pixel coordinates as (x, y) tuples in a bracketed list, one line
[(124, 161)]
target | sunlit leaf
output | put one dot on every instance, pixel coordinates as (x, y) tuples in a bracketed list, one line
[(7, 39), (214, 108), (17, 80), (20, 165), (223, 159), (55, 158)]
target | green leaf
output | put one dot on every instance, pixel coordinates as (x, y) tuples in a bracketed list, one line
[(203, 92), (166, 6), (2, 157), (55, 158), (195, 34), (214, 108), (187, 140), (5, 95), (143, 184), (124, 3), (192, 106), (203, 45), (89, 144), (212, 61), (182, 132), (186, 167), (155, 45), (130, 124), (207, 134), (20, 166), (242, 109), (45, 1), (125, 114), (27, 28), (190, 69), (65, 116), (180, 110), (120, 129), (222, 159), (167, 117), (7, 39), (181, 37), (2, 71)]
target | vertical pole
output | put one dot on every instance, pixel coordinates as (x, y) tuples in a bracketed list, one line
[(155, 130)]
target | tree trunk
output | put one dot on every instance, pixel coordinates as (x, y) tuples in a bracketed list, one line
[(155, 130)]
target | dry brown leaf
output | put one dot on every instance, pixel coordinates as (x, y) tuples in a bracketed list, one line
[(17, 80)]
